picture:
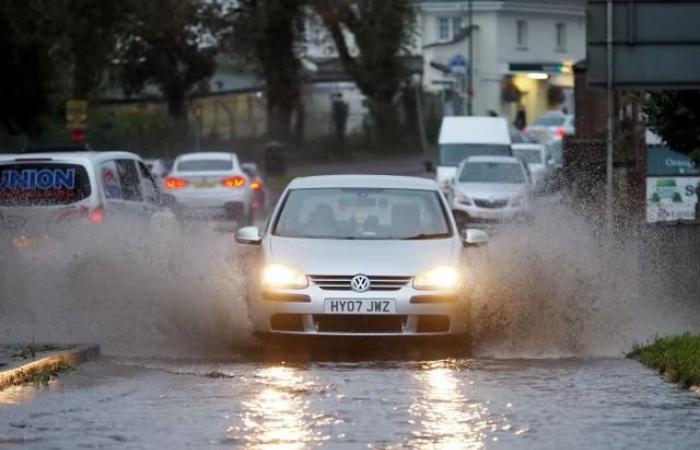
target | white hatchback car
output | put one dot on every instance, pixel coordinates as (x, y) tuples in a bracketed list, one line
[(210, 185), (491, 189), (358, 255)]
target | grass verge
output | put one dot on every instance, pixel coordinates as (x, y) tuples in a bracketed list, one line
[(677, 357)]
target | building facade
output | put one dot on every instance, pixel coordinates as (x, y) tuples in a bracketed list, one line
[(522, 50)]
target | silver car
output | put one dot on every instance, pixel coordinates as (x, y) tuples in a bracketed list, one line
[(358, 255)]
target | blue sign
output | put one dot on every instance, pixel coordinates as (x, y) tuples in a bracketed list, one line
[(42, 179), (664, 162), (457, 62)]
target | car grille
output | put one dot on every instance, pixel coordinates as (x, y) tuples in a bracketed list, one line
[(357, 323), (342, 282), (491, 204)]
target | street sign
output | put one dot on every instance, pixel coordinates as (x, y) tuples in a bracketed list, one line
[(656, 44), (76, 114), (457, 64)]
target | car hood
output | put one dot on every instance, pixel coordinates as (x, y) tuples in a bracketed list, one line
[(370, 257), (490, 190)]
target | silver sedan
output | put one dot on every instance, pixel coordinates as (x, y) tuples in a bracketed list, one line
[(358, 255)]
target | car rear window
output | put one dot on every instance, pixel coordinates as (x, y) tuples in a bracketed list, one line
[(43, 184), (205, 165)]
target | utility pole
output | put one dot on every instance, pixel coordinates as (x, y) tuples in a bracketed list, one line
[(610, 123), (470, 70)]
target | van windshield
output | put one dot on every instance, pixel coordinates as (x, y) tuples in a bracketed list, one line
[(453, 154), (42, 184)]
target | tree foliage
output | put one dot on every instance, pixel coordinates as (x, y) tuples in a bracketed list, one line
[(381, 31), (170, 44), (264, 33), (675, 116)]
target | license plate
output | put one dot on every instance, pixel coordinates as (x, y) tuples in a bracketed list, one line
[(360, 306), (27, 243), (204, 184)]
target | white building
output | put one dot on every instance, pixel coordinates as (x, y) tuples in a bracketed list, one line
[(521, 48)]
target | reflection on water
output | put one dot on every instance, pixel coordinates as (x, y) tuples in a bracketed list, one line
[(277, 416), (22, 393), (445, 418)]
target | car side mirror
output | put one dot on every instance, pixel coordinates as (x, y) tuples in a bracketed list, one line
[(429, 166), (248, 235), (475, 238)]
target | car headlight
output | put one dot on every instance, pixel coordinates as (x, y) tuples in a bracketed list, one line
[(441, 278), (283, 277), (518, 201), (463, 199)]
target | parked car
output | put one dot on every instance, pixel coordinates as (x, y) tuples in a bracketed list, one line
[(46, 194), (358, 255), (258, 188), (461, 137), (211, 185), (552, 125), (522, 137), (491, 189), (538, 163)]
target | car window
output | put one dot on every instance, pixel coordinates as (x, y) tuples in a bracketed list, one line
[(43, 184), (530, 156), (359, 213), (492, 172), (205, 165), (148, 184), (453, 154), (130, 181), (550, 121), (111, 183)]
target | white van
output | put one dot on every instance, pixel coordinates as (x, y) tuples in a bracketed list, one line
[(464, 136)]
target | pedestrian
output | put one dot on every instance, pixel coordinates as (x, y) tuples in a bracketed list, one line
[(520, 121)]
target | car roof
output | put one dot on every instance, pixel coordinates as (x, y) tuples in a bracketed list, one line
[(493, 159), (474, 130), (528, 146), (206, 155), (363, 181), (82, 156)]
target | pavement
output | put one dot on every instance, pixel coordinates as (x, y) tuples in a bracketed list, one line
[(21, 362)]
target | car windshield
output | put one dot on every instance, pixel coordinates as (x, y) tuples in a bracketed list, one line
[(492, 172), (453, 154), (549, 121), (205, 165), (43, 184), (362, 213), (530, 156)]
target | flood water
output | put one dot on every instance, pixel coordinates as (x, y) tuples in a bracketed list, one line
[(432, 404)]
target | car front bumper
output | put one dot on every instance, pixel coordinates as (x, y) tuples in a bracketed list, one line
[(302, 312), (504, 214)]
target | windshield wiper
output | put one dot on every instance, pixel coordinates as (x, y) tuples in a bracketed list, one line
[(426, 236)]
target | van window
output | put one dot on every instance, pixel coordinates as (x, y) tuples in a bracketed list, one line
[(129, 177), (453, 154), (110, 181), (150, 189), (43, 184)]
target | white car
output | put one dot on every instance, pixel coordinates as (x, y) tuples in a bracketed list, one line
[(358, 255), (46, 194), (539, 164), (552, 125), (210, 185), (491, 189)]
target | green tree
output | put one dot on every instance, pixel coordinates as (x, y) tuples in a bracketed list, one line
[(264, 33), (675, 116), (171, 44), (381, 30)]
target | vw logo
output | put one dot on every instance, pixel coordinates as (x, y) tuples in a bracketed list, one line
[(360, 283)]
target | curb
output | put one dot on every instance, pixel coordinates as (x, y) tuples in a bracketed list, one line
[(48, 364)]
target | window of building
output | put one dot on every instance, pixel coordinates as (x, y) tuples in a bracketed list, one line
[(444, 29), (561, 36), (521, 33), (456, 25)]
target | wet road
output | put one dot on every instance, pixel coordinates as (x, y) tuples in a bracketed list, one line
[(447, 404)]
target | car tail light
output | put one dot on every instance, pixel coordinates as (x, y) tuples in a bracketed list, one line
[(176, 183), (97, 215), (560, 133), (233, 182), (256, 185)]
